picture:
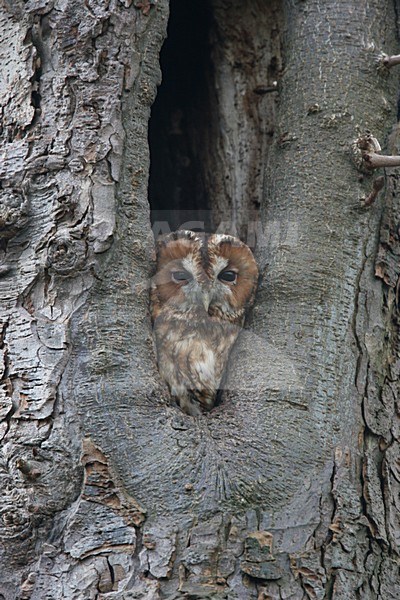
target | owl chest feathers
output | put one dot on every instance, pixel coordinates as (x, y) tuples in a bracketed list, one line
[(192, 357)]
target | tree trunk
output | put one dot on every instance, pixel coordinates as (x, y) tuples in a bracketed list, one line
[(290, 487)]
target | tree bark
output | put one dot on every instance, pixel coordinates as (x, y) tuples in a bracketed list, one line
[(290, 487)]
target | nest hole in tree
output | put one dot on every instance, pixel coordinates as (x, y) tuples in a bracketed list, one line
[(213, 118)]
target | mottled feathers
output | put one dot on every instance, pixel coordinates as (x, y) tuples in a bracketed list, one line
[(200, 294)]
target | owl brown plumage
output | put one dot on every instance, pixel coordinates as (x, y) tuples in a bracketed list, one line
[(200, 294)]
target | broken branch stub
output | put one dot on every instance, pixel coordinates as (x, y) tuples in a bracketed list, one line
[(390, 61), (366, 154)]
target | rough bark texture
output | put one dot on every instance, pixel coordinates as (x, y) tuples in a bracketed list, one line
[(73, 70), (290, 488), (322, 306)]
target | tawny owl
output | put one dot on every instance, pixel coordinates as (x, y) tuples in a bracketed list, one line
[(200, 294)]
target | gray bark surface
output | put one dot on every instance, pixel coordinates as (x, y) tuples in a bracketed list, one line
[(289, 488)]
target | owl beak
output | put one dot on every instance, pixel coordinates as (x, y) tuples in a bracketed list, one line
[(205, 298)]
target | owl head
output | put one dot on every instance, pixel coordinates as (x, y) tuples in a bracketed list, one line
[(205, 274)]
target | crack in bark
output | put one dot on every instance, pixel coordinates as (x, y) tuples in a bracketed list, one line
[(356, 312)]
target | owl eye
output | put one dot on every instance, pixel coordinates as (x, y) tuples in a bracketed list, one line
[(228, 276), (179, 276)]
